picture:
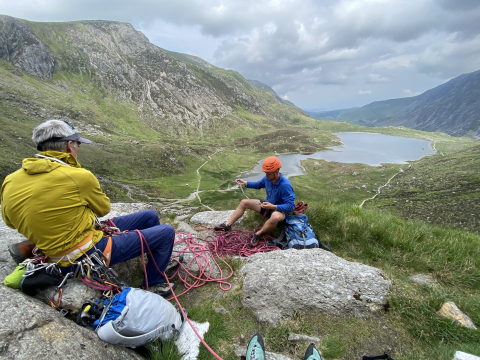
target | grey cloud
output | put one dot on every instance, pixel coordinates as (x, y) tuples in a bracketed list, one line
[(459, 5), (309, 49)]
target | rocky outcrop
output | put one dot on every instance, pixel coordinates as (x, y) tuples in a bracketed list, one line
[(212, 218), (169, 92), (30, 329), (279, 283), (275, 286), (20, 46)]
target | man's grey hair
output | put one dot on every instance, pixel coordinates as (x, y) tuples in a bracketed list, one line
[(50, 129)]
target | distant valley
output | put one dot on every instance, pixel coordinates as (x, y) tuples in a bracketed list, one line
[(107, 79), (452, 108), (156, 116)]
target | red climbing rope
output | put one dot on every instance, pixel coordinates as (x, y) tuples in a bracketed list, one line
[(144, 241), (235, 242), (216, 246), (204, 259)]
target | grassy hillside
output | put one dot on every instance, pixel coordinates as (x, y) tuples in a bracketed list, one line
[(444, 190), (409, 329)]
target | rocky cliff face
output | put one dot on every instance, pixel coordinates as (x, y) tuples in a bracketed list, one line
[(20, 46), (166, 93)]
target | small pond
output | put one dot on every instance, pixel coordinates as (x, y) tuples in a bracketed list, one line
[(365, 148)]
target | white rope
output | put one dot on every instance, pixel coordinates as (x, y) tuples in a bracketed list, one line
[(241, 188), (51, 158)]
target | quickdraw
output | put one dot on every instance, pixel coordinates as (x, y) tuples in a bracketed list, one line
[(95, 273), (107, 226)]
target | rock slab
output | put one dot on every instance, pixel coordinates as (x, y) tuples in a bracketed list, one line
[(422, 279), (30, 329), (301, 338), (459, 355), (212, 218), (279, 283)]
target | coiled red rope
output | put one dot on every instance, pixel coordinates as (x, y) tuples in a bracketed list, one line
[(216, 246)]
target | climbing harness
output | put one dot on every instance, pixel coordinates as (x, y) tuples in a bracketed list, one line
[(73, 252)]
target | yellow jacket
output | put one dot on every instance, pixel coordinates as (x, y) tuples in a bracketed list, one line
[(52, 204)]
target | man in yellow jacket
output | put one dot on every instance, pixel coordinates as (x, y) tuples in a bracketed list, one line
[(53, 201)]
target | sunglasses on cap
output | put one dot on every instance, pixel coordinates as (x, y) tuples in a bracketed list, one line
[(73, 137)]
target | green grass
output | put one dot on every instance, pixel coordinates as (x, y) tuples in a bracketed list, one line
[(439, 189), (163, 350), (410, 329)]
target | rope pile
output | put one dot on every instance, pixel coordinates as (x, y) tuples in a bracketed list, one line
[(206, 252), (219, 245)]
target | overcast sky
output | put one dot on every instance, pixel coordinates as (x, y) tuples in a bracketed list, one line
[(319, 54)]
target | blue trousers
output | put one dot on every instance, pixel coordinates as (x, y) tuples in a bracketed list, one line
[(160, 239)]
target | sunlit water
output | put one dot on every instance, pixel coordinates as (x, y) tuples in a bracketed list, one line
[(365, 148)]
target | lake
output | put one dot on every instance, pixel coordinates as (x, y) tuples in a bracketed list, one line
[(365, 148)]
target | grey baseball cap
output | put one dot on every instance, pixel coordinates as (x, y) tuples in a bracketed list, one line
[(73, 137)]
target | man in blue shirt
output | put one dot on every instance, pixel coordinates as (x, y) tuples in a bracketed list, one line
[(280, 199)]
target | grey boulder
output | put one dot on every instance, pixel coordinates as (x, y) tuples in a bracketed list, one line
[(279, 283), (212, 218), (30, 329)]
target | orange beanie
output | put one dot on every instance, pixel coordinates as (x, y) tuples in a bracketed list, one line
[(271, 164)]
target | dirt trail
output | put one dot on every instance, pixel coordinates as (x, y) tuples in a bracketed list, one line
[(176, 206), (382, 186)]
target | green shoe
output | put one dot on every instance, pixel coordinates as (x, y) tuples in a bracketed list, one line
[(312, 353), (256, 348)]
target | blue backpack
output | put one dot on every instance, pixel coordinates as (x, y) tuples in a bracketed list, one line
[(297, 234)]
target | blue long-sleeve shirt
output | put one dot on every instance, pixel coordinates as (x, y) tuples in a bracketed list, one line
[(280, 194)]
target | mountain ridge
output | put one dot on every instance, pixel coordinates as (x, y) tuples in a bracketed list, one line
[(112, 59), (452, 108)]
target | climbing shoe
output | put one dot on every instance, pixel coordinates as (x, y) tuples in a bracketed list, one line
[(21, 251), (223, 227), (174, 264), (297, 207), (255, 240), (162, 289), (300, 208), (312, 353), (256, 348)]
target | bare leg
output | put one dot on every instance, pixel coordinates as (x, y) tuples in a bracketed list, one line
[(240, 210), (271, 223)]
